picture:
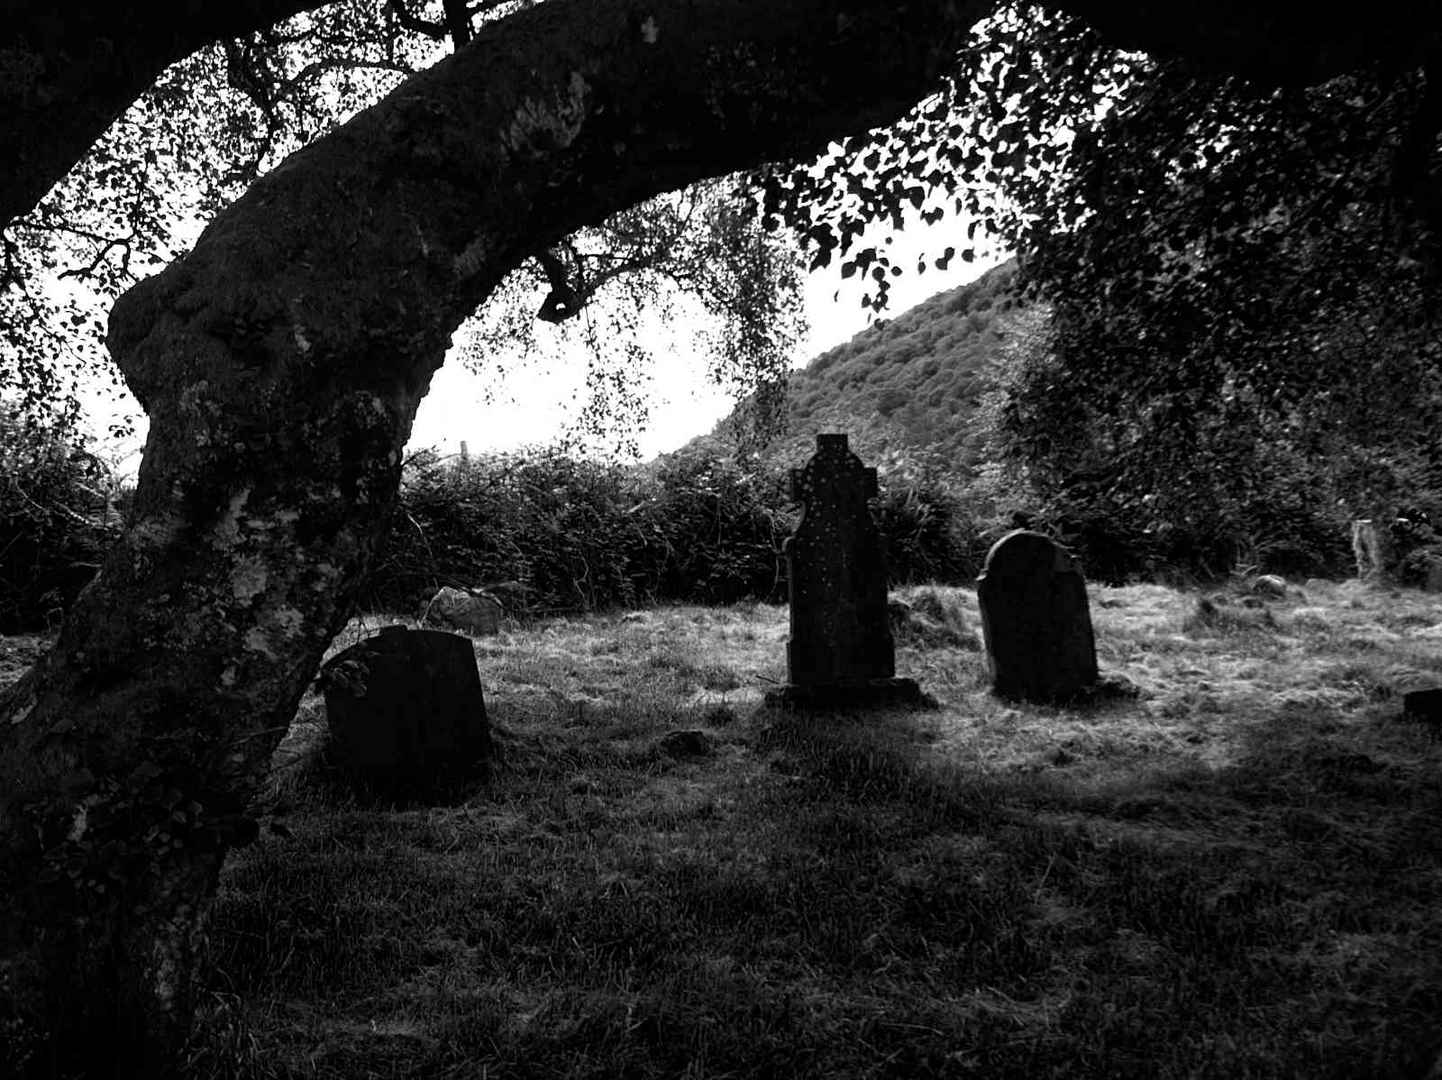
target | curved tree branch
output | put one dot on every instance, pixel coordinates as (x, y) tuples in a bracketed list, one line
[(68, 69), (281, 363)]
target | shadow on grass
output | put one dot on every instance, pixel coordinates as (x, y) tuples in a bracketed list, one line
[(837, 896)]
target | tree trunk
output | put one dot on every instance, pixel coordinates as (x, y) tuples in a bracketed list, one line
[(281, 363)]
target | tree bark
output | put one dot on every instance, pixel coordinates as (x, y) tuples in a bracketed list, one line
[(281, 363)]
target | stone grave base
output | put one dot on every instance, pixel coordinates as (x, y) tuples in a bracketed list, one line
[(1104, 689), (851, 694)]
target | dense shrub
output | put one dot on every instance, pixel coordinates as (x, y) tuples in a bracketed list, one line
[(547, 533), (1417, 542), (57, 519), (542, 530), (717, 527), (931, 532)]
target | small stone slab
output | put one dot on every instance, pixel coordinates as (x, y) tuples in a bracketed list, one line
[(1424, 707), (406, 711), (1036, 621)]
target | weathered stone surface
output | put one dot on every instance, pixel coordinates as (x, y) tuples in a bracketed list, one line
[(406, 711), (839, 622), (1036, 621), (476, 613), (840, 625)]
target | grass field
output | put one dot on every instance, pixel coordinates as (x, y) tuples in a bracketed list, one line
[(1237, 874)]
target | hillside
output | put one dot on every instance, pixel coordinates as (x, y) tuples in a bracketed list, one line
[(910, 382)]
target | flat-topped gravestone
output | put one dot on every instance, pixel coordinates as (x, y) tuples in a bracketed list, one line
[(406, 711), (1036, 620), (841, 651)]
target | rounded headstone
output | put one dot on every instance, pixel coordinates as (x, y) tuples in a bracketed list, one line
[(406, 711), (1036, 620)]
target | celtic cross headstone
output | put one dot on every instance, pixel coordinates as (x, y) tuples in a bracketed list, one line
[(841, 650)]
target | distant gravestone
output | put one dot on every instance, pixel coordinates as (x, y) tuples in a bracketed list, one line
[(1432, 579), (1035, 618), (841, 650), (476, 613), (1371, 544), (406, 711)]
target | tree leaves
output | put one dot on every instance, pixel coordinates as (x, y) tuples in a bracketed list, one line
[(1217, 260)]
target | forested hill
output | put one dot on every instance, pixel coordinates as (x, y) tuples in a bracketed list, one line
[(909, 383)]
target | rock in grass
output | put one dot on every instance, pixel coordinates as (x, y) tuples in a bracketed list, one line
[(1270, 585), (470, 611), (686, 743)]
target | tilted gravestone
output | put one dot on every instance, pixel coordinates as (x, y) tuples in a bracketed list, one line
[(1036, 620), (406, 711), (841, 652)]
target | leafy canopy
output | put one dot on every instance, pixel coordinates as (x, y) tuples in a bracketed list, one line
[(222, 117)]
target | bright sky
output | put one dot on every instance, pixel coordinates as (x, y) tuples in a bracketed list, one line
[(535, 404)]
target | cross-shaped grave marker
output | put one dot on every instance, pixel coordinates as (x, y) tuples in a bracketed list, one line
[(841, 651)]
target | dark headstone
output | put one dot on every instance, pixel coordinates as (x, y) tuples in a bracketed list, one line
[(841, 651), (406, 711), (1035, 618), (1424, 707)]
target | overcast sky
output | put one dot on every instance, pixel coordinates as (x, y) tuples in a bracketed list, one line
[(536, 404)]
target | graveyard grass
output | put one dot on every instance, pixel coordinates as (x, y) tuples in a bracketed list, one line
[(1237, 874)]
